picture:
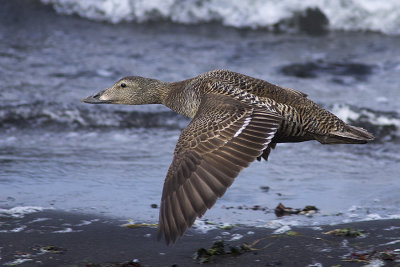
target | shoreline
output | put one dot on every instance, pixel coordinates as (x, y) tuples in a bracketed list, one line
[(57, 238)]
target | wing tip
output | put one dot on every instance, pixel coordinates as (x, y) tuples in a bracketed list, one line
[(170, 239)]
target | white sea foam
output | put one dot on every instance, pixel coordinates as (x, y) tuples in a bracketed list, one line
[(282, 230), (16, 262), (236, 237), (373, 217), (66, 230), (84, 222), (345, 113), (375, 263), (349, 113), (394, 216), (19, 212), (392, 242), (15, 230), (382, 16)]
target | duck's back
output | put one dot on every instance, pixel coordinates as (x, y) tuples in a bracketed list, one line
[(302, 118)]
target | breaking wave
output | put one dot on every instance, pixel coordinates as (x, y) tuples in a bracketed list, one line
[(384, 125), (366, 15), (52, 116)]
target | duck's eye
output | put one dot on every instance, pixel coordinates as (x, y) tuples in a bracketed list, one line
[(123, 85)]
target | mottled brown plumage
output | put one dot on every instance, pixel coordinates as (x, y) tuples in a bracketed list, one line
[(236, 119)]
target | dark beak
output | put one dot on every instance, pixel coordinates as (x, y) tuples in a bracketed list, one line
[(94, 99)]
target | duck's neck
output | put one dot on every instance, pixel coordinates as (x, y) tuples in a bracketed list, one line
[(179, 97)]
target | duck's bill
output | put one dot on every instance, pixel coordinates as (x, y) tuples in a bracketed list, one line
[(95, 99)]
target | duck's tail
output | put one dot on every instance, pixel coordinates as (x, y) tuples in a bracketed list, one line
[(350, 135)]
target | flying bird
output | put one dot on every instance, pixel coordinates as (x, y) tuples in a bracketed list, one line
[(235, 120)]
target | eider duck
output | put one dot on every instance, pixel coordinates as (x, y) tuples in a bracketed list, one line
[(235, 120)]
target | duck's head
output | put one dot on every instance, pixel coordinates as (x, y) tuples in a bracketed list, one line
[(131, 90)]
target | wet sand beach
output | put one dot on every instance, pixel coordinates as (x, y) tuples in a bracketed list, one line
[(53, 238)]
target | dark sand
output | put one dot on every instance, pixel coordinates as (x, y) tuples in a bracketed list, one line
[(104, 242)]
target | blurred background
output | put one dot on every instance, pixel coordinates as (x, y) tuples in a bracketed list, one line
[(56, 152)]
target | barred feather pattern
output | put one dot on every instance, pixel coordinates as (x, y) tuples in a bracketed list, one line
[(221, 140)]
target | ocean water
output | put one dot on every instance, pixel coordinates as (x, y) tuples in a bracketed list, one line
[(56, 152), (342, 15)]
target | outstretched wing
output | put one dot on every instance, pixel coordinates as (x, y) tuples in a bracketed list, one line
[(224, 137)]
